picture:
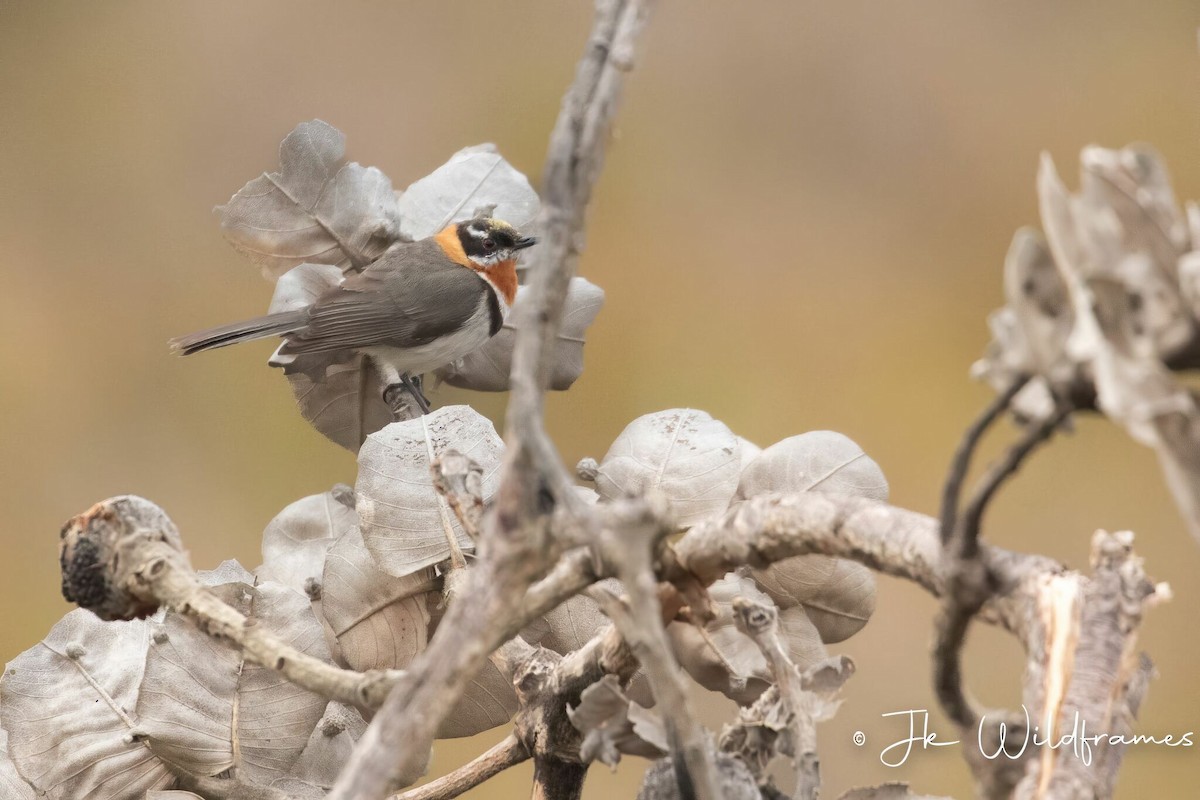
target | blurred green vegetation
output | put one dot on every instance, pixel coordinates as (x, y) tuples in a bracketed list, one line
[(801, 226)]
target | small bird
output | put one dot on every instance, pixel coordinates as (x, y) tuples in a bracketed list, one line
[(419, 306)]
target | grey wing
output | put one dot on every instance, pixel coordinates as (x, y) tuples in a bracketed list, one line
[(398, 305)]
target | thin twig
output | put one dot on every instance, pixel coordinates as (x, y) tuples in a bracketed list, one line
[(1034, 436), (505, 754), (970, 584), (961, 461)]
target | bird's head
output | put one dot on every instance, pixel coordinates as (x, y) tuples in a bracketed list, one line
[(487, 241)]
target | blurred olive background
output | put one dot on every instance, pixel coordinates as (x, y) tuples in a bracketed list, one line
[(801, 226)]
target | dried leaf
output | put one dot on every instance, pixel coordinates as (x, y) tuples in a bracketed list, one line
[(295, 542), (888, 791), (613, 725), (172, 794), (489, 700), (68, 707), (749, 451), (572, 624), (380, 621), (316, 209), (838, 595), (734, 780), (817, 461), (207, 709), (720, 658), (12, 785), (691, 458), (297, 789), (339, 393), (1133, 182), (1112, 338), (723, 659), (326, 753), (406, 525), (487, 369), (473, 177)]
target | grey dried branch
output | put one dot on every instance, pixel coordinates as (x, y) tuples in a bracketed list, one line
[(459, 480), (1031, 600), (228, 788), (515, 547), (761, 623), (507, 753), (123, 559), (641, 624)]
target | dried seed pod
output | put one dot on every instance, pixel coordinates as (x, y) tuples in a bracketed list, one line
[(96, 553)]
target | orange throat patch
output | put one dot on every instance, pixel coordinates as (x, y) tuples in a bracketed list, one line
[(502, 276)]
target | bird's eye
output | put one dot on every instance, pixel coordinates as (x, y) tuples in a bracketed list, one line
[(489, 245)]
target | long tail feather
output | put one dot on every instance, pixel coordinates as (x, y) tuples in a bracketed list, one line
[(236, 332)]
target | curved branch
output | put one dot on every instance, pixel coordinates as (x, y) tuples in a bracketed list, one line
[(505, 754)]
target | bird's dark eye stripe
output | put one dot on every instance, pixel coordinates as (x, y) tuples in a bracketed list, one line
[(504, 238)]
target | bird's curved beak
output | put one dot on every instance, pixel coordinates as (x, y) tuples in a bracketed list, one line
[(525, 241)]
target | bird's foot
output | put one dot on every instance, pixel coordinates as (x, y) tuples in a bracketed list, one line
[(398, 396)]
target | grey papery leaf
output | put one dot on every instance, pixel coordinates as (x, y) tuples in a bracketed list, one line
[(734, 781), (888, 791), (12, 785), (473, 177), (721, 658), (572, 624), (487, 369), (1192, 213), (817, 461), (172, 794), (691, 458), (327, 751), (1134, 183), (228, 571), (606, 718), (68, 707), (380, 621), (1006, 357), (1133, 387), (298, 789), (339, 393), (1189, 282), (406, 525), (748, 450), (1041, 307), (295, 542), (1158, 308), (828, 676), (206, 708), (315, 209), (489, 699), (837, 594)]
